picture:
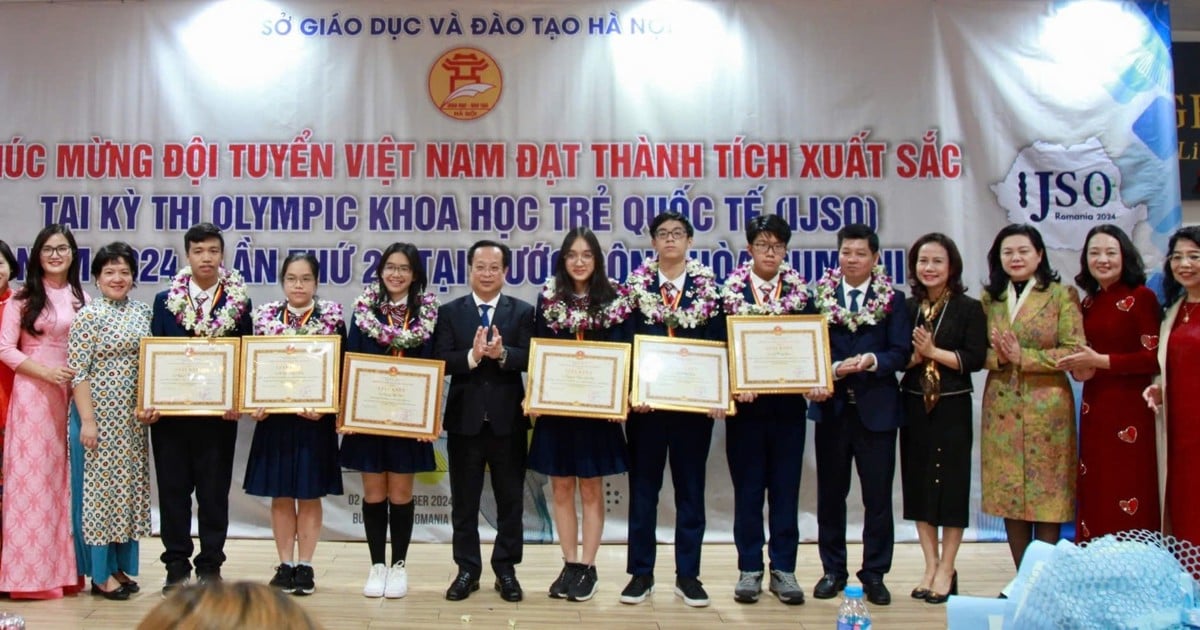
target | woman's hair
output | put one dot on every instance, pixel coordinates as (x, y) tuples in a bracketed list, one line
[(954, 283), (1133, 272), (307, 257), (419, 279), (998, 279), (1172, 290), (233, 605), (34, 289), (14, 268), (600, 291), (116, 251)]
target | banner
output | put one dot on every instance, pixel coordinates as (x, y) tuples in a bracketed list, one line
[(340, 128)]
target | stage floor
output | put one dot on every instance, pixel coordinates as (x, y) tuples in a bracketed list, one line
[(984, 568)]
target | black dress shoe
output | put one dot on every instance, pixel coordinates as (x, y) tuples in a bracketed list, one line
[(829, 586), (208, 575), (509, 587), (877, 593), (920, 593), (127, 582), (118, 594), (462, 587)]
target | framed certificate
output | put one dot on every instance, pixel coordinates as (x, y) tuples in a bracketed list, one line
[(290, 373), (681, 374), (778, 354), (586, 379), (188, 376), (393, 396)]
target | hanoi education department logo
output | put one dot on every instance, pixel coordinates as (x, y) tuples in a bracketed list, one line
[(465, 83)]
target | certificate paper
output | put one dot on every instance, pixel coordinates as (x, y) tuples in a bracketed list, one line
[(188, 376), (585, 379), (784, 354), (290, 374), (392, 396), (681, 374)]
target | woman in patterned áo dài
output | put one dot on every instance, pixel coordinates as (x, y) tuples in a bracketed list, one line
[(8, 270), (103, 352), (1028, 429), (38, 559), (1117, 483)]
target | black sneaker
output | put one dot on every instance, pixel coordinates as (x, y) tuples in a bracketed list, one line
[(566, 577), (211, 575), (285, 578), (584, 585), (639, 588), (177, 577), (303, 580), (692, 592)]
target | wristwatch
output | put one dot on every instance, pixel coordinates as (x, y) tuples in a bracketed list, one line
[(503, 356)]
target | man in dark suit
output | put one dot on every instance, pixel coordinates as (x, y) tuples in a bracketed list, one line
[(195, 454), (871, 340), (680, 299), (764, 440), (484, 340)]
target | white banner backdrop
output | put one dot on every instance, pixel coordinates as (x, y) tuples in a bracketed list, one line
[(340, 127)]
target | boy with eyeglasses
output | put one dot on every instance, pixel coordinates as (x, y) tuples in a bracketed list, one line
[(678, 297)]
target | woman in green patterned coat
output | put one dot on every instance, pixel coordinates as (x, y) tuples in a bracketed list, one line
[(1028, 430)]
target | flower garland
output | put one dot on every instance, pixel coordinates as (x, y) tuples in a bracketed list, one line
[(395, 335), (561, 316), (705, 296), (792, 298), (870, 313), (267, 319), (223, 319)]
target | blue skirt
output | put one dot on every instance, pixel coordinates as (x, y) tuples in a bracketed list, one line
[(294, 457), (383, 454), (578, 447)]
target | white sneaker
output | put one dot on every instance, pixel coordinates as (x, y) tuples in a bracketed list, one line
[(397, 581), (376, 581)]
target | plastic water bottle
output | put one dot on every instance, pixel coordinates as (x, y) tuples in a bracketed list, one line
[(853, 613)]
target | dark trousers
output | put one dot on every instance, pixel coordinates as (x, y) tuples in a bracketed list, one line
[(838, 443), (686, 437), (193, 455), (766, 456), (504, 455)]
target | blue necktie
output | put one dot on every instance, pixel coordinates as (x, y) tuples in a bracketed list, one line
[(854, 293), (483, 315)]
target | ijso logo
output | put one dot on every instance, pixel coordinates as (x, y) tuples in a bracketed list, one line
[(465, 83), (1065, 191)]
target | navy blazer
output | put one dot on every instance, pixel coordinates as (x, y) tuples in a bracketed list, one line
[(491, 389), (637, 324), (876, 393), (164, 324)]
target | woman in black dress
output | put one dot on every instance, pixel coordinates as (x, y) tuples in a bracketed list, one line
[(579, 302), (949, 343)]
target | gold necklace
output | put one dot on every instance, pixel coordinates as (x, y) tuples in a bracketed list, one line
[(1187, 312)]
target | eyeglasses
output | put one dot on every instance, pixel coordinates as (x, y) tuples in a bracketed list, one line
[(393, 269), (1177, 259), (762, 247), (61, 250), (487, 270), (301, 280), (677, 234), (585, 256)]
